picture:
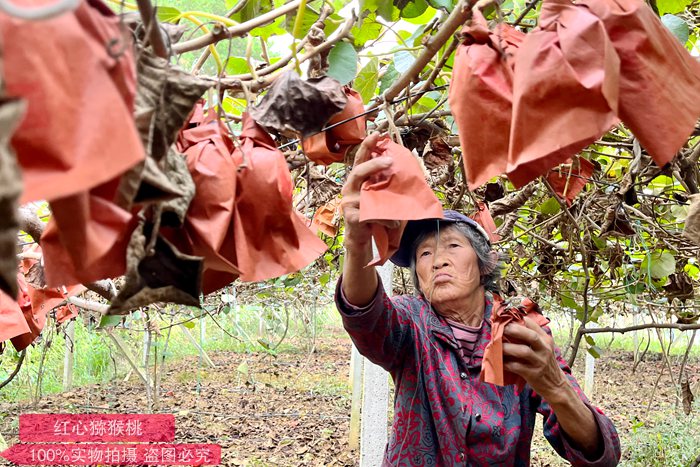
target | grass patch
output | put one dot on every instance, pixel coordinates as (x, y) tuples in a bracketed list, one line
[(668, 440), (97, 361)]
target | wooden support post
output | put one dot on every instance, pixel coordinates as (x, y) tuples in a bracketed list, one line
[(68, 356), (356, 361), (199, 348), (375, 400), (125, 352)]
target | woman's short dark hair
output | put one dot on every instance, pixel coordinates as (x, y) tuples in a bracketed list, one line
[(482, 248)]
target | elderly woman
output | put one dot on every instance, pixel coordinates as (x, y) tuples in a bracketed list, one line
[(432, 344)]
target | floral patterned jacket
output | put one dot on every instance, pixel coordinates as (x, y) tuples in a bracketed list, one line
[(444, 416)]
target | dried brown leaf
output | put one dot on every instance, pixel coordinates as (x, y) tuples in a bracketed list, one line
[(165, 98), (437, 153), (692, 222), (295, 106), (11, 112), (163, 275), (679, 286)]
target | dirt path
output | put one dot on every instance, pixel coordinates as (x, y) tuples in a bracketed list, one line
[(293, 409)]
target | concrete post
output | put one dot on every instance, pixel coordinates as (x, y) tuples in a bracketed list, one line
[(356, 361), (375, 400), (589, 379)]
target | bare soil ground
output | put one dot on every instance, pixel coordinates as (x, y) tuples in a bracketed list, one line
[(293, 409)]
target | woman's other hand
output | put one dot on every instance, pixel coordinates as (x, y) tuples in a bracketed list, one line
[(533, 357)]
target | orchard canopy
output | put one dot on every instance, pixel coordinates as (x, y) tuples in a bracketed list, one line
[(608, 231)]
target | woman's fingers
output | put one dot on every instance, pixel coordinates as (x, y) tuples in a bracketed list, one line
[(365, 166), (365, 150), (364, 171), (517, 351)]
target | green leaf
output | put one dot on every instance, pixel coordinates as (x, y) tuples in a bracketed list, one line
[(237, 66), (388, 11), (677, 26), (342, 62), (414, 9), (270, 30), (168, 14), (594, 351), (659, 265), (308, 19), (403, 61), (600, 243), (388, 78), (589, 339), (415, 39), (324, 279), (671, 6), (633, 285), (292, 281), (367, 79), (447, 4), (265, 344), (424, 104), (368, 29), (332, 23), (109, 321), (188, 324), (569, 302), (423, 19), (549, 207), (253, 9)]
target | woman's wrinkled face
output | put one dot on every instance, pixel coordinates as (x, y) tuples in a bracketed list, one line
[(447, 267)]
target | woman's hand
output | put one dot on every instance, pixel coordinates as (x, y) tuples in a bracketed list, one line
[(533, 357), (357, 234)]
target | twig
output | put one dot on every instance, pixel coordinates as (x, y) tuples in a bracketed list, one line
[(426, 87), (150, 23), (513, 201), (459, 15), (586, 273), (235, 31), (542, 240), (653, 391), (16, 370), (418, 118), (89, 305), (237, 84), (524, 13), (679, 326), (644, 353), (207, 52)]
